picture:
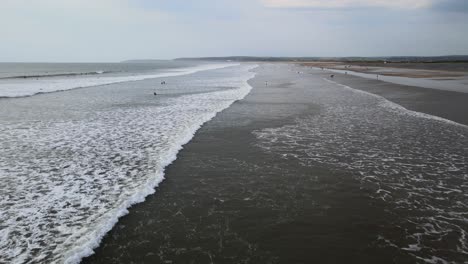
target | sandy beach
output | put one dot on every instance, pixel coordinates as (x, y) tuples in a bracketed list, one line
[(410, 69), (305, 170), (446, 104)]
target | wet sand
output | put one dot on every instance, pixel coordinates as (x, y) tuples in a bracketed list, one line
[(442, 79), (450, 105), (415, 70), (225, 200)]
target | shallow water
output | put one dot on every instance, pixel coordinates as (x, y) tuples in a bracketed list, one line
[(415, 163), (72, 162), (302, 170), (234, 196)]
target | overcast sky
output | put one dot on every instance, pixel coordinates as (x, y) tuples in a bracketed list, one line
[(114, 30)]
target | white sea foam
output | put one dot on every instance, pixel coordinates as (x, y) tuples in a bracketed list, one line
[(398, 108), (64, 185), (454, 85), (31, 86)]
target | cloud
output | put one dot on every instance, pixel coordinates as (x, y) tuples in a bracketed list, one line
[(112, 30), (405, 4)]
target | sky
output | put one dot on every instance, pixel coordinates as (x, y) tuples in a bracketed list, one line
[(116, 30)]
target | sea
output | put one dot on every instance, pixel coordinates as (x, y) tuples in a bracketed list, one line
[(72, 162), (304, 169)]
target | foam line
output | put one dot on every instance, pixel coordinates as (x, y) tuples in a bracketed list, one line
[(92, 240), (398, 108), (27, 87), (454, 85), (76, 178)]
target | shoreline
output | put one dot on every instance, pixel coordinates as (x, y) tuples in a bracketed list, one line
[(142, 112), (150, 186), (224, 200), (196, 208), (406, 78), (450, 105), (410, 69)]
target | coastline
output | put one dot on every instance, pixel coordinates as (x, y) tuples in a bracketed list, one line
[(129, 167), (225, 200), (149, 188), (450, 105), (408, 69), (210, 210)]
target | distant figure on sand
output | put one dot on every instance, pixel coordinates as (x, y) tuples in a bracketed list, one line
[(155, 93), (163, 82), (377, 76)]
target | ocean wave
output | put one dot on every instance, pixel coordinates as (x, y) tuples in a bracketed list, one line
[(85, 174), (45, 75), (28, 87)]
